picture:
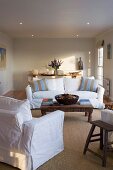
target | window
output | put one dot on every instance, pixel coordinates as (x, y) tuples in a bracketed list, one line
[(100, 66), (89, 64)]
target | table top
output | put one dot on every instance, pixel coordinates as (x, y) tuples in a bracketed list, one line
[(56, 105)]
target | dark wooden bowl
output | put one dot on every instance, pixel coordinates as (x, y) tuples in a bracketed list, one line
[(66, 99)]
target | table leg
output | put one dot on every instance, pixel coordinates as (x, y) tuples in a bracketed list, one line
[(89, 116), (43, 112), (86, 113)]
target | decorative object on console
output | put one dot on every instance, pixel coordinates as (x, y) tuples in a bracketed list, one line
[(56, 63), (66, 99), (2, 57), (60, 72), (35, 72), (80, 64), (109, 51), (76, 74)]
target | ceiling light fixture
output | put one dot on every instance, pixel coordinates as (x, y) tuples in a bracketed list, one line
[(88, 23), (77, 36), (32, 35), (21, 23)]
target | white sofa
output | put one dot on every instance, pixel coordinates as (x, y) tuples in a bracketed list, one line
[(65, 85), (27, 142)]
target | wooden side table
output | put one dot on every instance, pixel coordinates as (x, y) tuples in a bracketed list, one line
[(109, 105), (104, 144)]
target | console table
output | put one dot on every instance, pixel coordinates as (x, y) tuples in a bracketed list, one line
[(46, 76), (78, 73)]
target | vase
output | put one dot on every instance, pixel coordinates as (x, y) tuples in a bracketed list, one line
[(55, 72)]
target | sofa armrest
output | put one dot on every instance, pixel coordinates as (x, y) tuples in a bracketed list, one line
[(29, 93), (100, 93), (44, 134)]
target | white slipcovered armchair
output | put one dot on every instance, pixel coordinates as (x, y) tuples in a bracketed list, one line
[(107, 116), (27, 142)]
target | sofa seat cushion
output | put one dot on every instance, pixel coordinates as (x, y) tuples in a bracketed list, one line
[(46, 94), (84, 94)]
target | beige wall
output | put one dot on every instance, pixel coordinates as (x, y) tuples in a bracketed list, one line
[(36, 53), (6, 74), (108, 63)]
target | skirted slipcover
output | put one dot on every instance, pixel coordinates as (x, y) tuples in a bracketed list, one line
[(27, 142)]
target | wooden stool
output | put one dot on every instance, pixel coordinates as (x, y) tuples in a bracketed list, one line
[(102, 138)]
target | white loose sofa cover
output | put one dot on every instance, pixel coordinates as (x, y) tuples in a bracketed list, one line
[(26, 142), (65, 85)]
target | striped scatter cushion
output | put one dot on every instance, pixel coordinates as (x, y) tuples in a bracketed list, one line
[(38, 85), (89, 85)]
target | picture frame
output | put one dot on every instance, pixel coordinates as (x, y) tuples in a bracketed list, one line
[(2, 57), (109, 51)]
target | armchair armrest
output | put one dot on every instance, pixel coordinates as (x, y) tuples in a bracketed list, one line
[(100, 93), (44, 135)]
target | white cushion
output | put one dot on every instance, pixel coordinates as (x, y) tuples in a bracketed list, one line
[(71, 84), (85, 94), (88, 84), (51, 84), (59, 84), (91, 77), (55, 84), (46, 94)]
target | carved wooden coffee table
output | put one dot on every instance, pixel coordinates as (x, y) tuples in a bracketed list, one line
[(88, 109)]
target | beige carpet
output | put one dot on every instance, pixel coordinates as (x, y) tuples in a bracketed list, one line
[(76, 129)]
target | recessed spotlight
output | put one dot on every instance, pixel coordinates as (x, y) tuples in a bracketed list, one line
[(75, 36), (32, 35), (20, 23), (88, 23)]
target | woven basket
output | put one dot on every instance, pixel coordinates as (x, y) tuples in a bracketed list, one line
[(66, 99)]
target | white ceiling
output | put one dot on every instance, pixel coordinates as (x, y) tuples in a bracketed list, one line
[(55, 18)]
